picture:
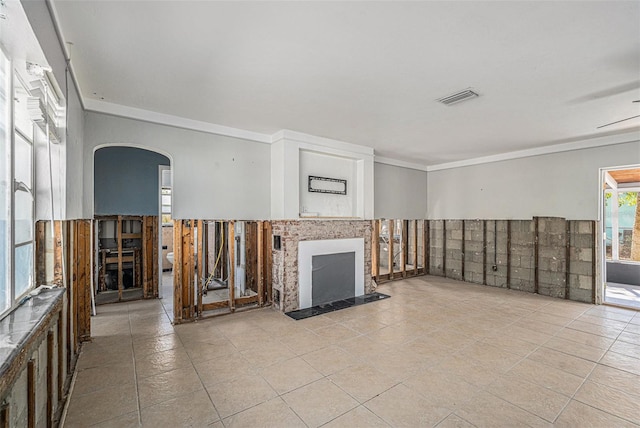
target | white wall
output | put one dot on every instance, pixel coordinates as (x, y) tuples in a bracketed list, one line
[(559, 184), (326, 204), (74, 152), (399, 192), (214, 177)]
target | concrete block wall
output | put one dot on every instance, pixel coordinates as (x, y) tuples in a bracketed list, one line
[(436, 247), (581, 261), (496, 248), (522, 256), (474, 250), (453, 251), (545, 255)]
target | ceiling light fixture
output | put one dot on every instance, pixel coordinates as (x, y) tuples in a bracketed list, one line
[(458, 97)]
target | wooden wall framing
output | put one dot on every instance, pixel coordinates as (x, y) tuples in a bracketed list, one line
[(192, 268)]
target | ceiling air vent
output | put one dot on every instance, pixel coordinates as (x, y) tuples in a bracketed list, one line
[(467, 94)]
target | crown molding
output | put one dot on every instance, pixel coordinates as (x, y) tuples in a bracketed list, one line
[(400, 163), (171, 120), (302, 138), (586, 143)]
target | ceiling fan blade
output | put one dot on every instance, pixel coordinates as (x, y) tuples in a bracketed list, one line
[(618, 121)]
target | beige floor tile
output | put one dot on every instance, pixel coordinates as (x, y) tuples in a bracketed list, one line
[(452, 339), (96, 378), (579, 350), (610, 400), (95, 355), (531, 397), (303, 342), (267, 353), (336, 333), (512, 345), (102, 405), (314, 323), (602, 321), (627, 336), (319, 402), (585, 338), (401, 407), (490, 355), (240, 394), (454, 421), (274, 413), (203, 351), (577, 414), (626, 348), (360, 417), (156, 344), (442, 388), (362, 381), (546, 377), (632, 328), (618, 379), (160, 362), (289, 375), (330, 360), (363, 345), (562, 361), (490, 411), (363, 325), (130, 420), (168, 385), (223, 368), (250, 340), (470, 371), (601, 330), (522, 333), (622, 362), (400, 365), (193, 409)]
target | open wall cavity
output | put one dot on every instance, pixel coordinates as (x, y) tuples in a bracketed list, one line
[(546, 255)]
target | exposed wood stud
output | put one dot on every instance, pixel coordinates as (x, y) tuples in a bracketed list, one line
[(426, 251), (444, 248), (415, 247), (5, 415), (41, 252), (375, 250), (567, 256), (536, 255), (177, 271), (58, 257), (120, 284), (593, 262), (232, 263), (260, 262), (404, 246), (200, 275), (50, 349), (31, 394), (390, 247), (463, 256), (269, 261), (484, 252), (60, 326), (508, 251)]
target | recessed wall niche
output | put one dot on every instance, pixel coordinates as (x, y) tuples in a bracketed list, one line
[(317, 204)]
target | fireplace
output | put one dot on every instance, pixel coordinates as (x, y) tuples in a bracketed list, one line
[(318, 261), (330, 270)]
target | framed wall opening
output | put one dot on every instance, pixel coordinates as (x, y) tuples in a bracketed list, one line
[(620, 227)]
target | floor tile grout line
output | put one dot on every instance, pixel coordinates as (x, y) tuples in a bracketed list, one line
[(135, 370)]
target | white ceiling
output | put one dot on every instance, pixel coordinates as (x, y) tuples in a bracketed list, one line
[(369, 72)]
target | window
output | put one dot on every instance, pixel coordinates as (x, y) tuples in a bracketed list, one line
[(5, 180), (22, 108)]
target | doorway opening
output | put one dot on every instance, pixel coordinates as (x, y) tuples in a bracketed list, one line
[(621, 234)]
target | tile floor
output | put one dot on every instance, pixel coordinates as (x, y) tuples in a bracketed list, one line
[(437, 353)]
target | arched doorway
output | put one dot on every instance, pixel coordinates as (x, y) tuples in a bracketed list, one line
[(127, 232)]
